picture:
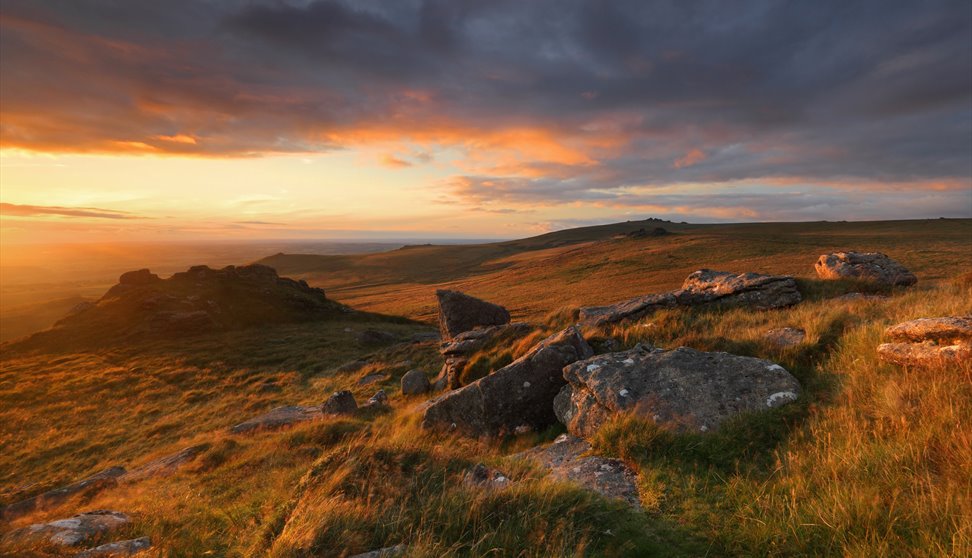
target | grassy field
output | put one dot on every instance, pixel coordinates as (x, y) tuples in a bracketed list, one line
[(873, 460)]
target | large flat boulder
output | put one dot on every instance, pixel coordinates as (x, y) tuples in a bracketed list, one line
[(519, 394), (683, 389), (567, 459), (928, 341), (753, 290), (631, 309), (869, 266), (71, 531), (459, 312)]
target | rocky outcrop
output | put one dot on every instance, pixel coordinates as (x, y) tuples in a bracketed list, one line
[(704, 286), (457, 351), (85, 487), (785, 336), (752, 290), (281, 417), (138, 277), (459, 312), (631, 309), (340, 403), (117, 549), (868, 266), (566, 459), (415, 382), (683, 389), (71, 531), (929, 342), (520, 393)]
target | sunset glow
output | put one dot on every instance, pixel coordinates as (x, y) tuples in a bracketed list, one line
[(323, 120)]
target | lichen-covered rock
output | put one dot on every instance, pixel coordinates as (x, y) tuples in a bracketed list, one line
[(753, 290), (280, 417), (631, 309), (71, 531), (869, 266), (683, 389), (929, 342), (567, 460), (130, 547), (340, 403), (415, 382), (459, 312), (520, 393)]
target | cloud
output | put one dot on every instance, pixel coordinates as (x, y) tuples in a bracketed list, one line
[(17, 210), (571, 100)]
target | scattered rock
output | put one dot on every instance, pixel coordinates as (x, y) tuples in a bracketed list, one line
[(387, 552), (482, 476), (87, 487), (459, 312), (130, 547), (379, 399), (929, 342), (681, 388), (785, 336), (340, 403), (631, 309), (743, 289), (164, 466), (517, 394), (280, 417), (73, 530), (869, 266), (376, 337), (566, 460), (415, 382)]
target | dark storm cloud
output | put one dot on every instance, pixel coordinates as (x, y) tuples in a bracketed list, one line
[(652, 93)]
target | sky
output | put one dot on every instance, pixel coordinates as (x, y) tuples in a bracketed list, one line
[(147, 120)]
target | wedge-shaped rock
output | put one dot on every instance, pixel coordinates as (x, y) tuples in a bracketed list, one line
[(280, 417), (88, 487), (518, 394), (929, 341), (631, 309), (459, 312), (682, 388), (71, 531), (869, 266), (706, 286), (566, 460)]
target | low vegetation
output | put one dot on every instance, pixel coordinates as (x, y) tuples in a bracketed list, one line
[(872, 460)]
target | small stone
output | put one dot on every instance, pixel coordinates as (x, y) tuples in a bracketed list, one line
[(340, 403), (415, 382)]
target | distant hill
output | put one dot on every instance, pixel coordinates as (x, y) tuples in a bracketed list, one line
[(200, 300), (606, 263)]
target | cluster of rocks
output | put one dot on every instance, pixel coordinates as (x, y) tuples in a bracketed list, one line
[(929, 342)]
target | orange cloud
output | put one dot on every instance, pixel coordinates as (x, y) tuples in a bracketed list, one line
[(691, 158)]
